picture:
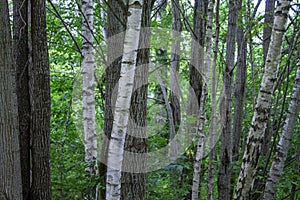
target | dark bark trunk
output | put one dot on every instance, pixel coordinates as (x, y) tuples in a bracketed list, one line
[(239, 94), (134, 179), (269, 18), (21, 62), (116, 21), (10, 169), (226, 136), (40, 104)]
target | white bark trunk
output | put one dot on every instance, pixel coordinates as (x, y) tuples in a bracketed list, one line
[(284, 142), (202, 113), (125, 87), (262, 107), (88, 99)]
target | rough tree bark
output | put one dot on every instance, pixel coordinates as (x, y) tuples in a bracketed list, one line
[(21, 62), (40, 104), (125, 87), (239, 95), (213, 120), (262, 107), (226, 135), (202, 112), (296, 171), (175, 56), (134, 179), (116, 23), (284, 142), (10, 168), (269, 18)]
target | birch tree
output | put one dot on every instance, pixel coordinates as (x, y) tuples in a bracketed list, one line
[(284, 142), (213, 120), (116, 23), (134, 174), (88, 99), (202, 112), (125, 87), (10, 168), (262, 107)]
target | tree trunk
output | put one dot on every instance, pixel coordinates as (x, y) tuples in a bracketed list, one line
[(202, 113), (239, 94), (88, 97), (262, 107), (284, 142), (213, 119), (134, 168), (226, 135), (269, 18), (115, 20), (174, 73), (10, 168), (296, 171), (122, 108), (21, 61), (40, 104)]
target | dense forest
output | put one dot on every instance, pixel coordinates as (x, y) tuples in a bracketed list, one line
[(149, 99)]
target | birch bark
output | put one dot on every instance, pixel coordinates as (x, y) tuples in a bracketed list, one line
[(202, 112), (262, 107), (88, 97), (284, 142), (134, 175), (115, 25), (125, 87)]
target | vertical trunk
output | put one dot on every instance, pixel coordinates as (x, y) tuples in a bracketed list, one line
[(269, 18), (10, 168), (174, 90), (296, 171), (175, 51), (197, 55), (40, 106), (122, 108), (134, 168), (262, 107), (21, 61), (213, 122), (226, 136), (284, 142), (196, 78), (239, 94), (88, 99), (202, 112), (115, 20)]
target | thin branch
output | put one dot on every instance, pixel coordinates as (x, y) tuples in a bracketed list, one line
[(67, 29)]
